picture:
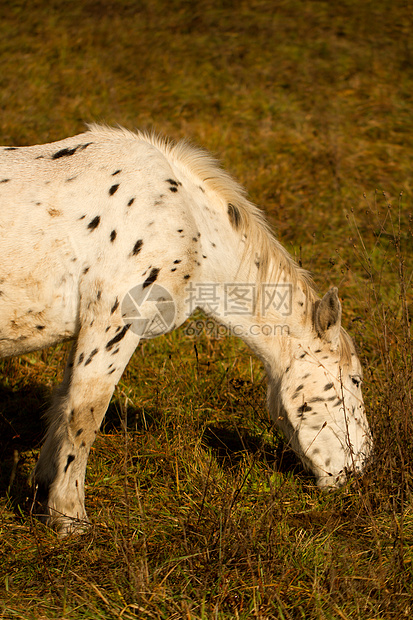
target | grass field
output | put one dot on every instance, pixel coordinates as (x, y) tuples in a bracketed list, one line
[(199, 511)]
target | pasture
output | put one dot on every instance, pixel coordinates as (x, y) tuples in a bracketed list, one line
[(199, 509)]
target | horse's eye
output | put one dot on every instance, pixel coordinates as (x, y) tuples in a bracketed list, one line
[(356, 381)]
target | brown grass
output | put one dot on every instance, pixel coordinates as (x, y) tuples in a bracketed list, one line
[(200, 511)]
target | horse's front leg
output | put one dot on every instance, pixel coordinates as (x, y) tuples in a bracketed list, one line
[(96, 363)]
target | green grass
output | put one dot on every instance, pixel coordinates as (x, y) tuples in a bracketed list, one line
[(200, 511)]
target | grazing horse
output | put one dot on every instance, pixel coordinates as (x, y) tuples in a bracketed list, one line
[(109, 237)]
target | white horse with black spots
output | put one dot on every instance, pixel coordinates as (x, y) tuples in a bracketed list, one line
[(88, 220)]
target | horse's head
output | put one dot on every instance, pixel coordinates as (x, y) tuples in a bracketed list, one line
[(318, 401)]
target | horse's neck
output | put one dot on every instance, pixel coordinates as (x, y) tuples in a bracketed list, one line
[(264, 311), (242, 278)]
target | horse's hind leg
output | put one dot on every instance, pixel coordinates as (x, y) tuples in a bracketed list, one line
[(95, 365)]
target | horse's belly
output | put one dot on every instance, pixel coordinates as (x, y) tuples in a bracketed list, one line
[(37, 314)]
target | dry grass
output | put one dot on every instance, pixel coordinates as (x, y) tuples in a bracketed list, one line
[(199, 511)]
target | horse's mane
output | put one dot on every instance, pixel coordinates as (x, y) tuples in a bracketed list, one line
[(274, 259)]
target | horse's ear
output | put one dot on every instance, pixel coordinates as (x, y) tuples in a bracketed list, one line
[(327, 317)]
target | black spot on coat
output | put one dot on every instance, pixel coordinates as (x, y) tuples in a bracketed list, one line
[(113, 189), (118, 337), (94, 223), (151, 278), (297, 391), (304, 408), (113, 235), (91, 356), (137, 247), (115, 306), (65, 152)]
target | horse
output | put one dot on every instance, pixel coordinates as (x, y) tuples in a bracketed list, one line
[(110, 237)]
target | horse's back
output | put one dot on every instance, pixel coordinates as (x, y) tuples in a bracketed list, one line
[(89, 213)]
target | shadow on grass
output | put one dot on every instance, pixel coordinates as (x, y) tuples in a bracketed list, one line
[(21, 431), (21, 415), (230, 446)]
